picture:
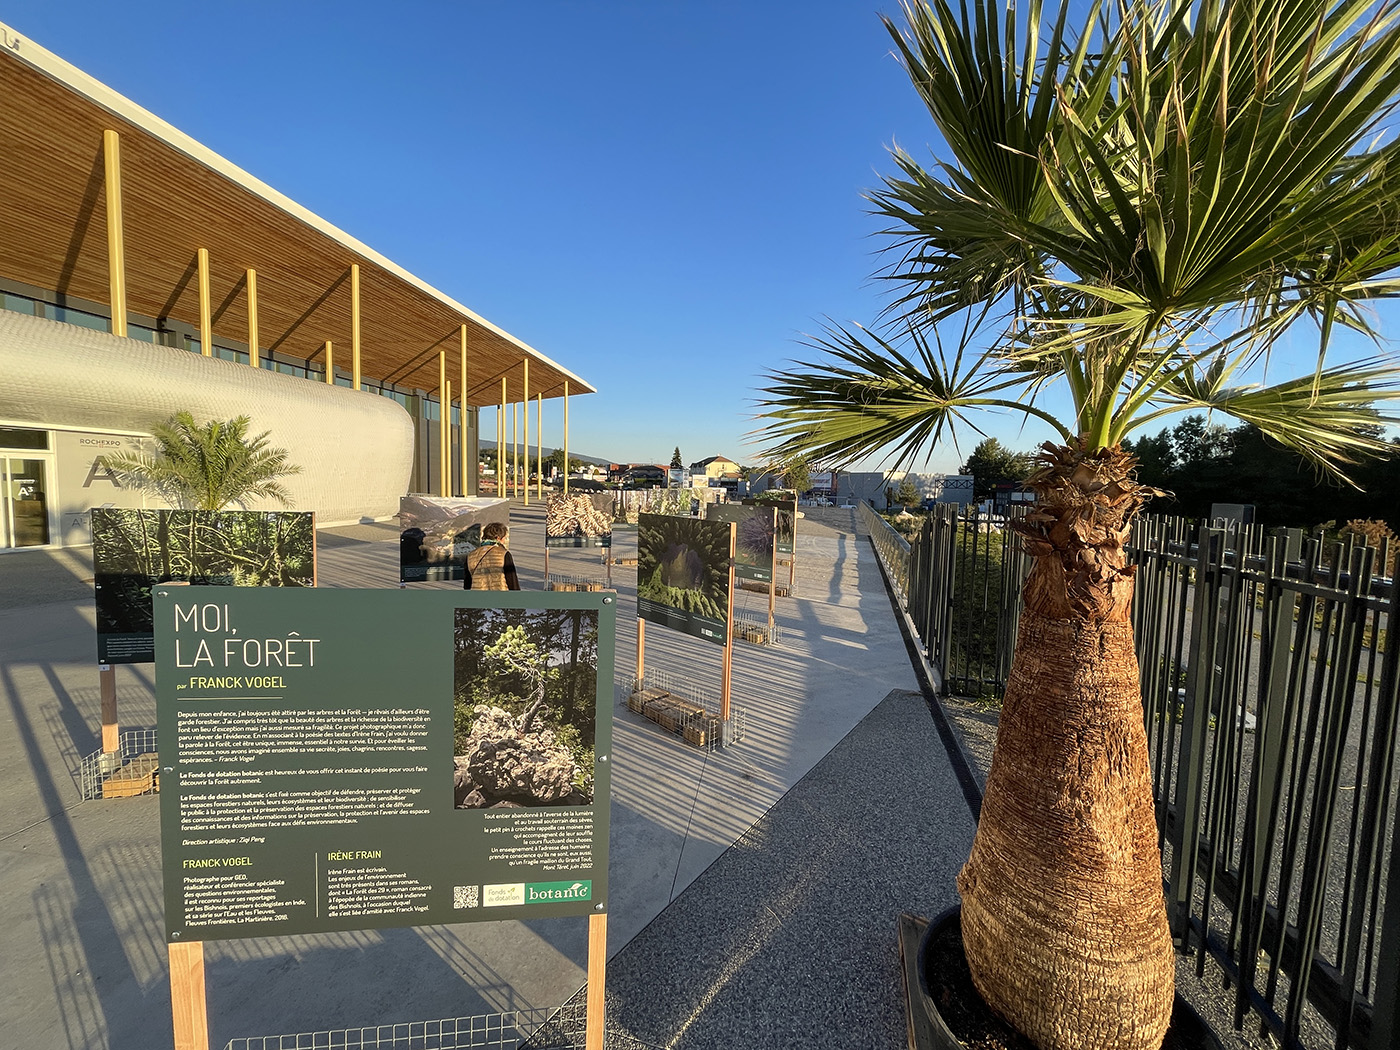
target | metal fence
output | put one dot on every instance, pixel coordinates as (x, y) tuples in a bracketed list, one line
[(1269, 683)]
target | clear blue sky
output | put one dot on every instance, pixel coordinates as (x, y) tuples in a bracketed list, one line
[(662, 196)]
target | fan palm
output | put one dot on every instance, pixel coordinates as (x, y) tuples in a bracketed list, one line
[(1134, 213), (208, 466)]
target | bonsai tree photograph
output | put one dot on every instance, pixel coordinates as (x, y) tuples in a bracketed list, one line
[(526, 694), (1137, 210)]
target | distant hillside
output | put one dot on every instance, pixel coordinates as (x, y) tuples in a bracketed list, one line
[(549, 452)]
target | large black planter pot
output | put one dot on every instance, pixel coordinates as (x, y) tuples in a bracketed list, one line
[(942, 940)]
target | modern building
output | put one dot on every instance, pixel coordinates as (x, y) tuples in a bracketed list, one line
[(141, 274)]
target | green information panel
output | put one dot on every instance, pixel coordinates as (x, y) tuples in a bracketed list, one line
[(754, 526), (357, 759)]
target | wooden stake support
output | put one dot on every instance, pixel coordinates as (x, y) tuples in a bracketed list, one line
[(188, 1006), (597, 967), (107, 685), (641, 648), (728, 664)]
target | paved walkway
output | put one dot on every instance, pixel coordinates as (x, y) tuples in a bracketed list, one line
[(753, 891)]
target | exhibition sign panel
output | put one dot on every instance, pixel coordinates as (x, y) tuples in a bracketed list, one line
[(363, 759), (439, 532), (133, 550), (581, 520), (786, 522), (754, 534), (683, 574)]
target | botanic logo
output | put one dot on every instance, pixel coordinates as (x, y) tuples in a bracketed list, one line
[(545, 892)]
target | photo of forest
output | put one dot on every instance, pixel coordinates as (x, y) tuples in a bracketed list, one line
[(683, 574), (755, 526), (133, 550), (582, 520), (525, 685)]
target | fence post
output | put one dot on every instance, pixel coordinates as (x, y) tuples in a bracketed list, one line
[(1205, 612)]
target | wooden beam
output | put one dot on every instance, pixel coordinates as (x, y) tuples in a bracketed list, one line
[(206, 324), (330, 363), (462, 434), (355, 325), (525, 426), (597, 979), (188, 1005), (254, 353), (501, 444), (116, 246), (444, 423), (539, 447), (566, 439)]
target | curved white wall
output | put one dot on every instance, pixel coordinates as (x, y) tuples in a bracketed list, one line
[(355, 449)]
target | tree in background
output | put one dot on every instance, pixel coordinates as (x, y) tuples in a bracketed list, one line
[(208, 466), (991, 464), (676, 463), (1136, 212), (556, 460), (797, 473), (907, 493)]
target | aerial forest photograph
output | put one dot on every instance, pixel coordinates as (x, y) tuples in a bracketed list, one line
[(525, 684), (683, 563), (133, 550), (582, 520)]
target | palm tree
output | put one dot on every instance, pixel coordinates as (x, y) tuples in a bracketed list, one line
[(209, 466), (1135, 214)]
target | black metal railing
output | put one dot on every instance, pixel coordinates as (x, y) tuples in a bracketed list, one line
[(1269, 684)]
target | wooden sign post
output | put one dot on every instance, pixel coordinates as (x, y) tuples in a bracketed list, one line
[(597, 967), (728, 663), (188, 1005), (111, 730)]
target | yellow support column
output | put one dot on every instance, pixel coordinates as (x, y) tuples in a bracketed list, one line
[(462, 433), (330, 364), (501, 444), (539, 446), (355, 325), (525, 426), (206, 324), (254, 351), (444, 423), (566, 437), (447, 443), (116, 247)]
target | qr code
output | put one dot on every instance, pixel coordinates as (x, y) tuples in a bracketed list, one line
[(466, 896)]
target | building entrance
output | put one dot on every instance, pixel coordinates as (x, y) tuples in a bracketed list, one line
[(24, 501)]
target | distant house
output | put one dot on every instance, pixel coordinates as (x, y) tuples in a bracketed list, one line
[(714, 467)]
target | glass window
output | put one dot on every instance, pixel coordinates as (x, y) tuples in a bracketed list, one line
[(20, 437), (68, 315), (229, 354), (140, 331), (192, 345), (20, 304)]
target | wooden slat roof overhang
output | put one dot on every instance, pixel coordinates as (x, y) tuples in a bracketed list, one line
[(179, 196)]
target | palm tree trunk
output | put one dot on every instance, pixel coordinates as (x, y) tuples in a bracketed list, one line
[(1063, 916)]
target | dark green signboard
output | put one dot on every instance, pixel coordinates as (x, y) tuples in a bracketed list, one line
[(580, 520), (346, 759), (683, 574), (754, 528), (133, 550)]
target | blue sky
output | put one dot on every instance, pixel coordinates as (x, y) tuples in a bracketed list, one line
[(662, 196)]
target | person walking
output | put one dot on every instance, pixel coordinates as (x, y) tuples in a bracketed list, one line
[(490, 567)]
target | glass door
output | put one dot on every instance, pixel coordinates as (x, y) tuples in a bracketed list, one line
[(24, 502)]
